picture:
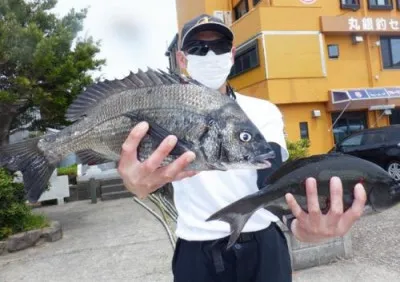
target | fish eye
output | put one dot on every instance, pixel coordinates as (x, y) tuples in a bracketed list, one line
[(245, 136)]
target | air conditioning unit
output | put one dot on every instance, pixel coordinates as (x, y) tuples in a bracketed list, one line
[(225, 16)]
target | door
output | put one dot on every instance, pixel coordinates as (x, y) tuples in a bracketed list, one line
[(369, 146), (373, 147)]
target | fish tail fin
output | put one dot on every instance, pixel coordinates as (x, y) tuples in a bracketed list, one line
[(236, 215), (26, 157)]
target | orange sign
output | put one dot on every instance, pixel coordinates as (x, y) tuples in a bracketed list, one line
[(344, 24)]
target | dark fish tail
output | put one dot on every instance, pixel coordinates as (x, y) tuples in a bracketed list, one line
[(25, 156), (237, 214)]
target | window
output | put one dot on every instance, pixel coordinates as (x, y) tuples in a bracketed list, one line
[(255, 2), (241, 8), (350, 4), (352, 141), (390, 50), (246, 59), (304, 130), (398, 5), (380, 4), (393, 135), (372, 138), (333, 51)]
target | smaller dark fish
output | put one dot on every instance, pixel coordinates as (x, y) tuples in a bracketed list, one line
[(382, 190)]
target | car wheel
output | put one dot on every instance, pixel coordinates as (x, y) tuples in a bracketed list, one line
[(393, 169)]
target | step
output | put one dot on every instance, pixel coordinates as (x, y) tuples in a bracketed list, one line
[(110, 181), (116, 195), (112, 188)]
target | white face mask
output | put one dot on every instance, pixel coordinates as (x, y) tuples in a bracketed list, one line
[(211, 70)]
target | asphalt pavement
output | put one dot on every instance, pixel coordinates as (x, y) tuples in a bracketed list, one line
[(119, 240)]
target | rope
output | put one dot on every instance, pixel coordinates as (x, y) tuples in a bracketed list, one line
[(166, 205), (169, 206), (162, 208)]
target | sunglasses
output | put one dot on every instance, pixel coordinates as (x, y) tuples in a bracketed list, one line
[(201, 47)]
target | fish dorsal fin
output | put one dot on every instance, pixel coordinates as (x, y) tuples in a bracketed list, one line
[(290, 166), (97, 92)]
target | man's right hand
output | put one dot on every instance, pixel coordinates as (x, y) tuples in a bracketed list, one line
[(143, 178)]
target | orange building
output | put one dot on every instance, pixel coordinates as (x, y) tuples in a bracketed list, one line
[(331, 66)]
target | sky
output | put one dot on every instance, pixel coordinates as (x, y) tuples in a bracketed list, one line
[(134, 33)]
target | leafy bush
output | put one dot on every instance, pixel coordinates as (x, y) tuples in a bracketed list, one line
[(15, 215), (33, 134), (298, 149), (71, 170)]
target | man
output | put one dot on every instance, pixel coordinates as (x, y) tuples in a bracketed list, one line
[(261, 253)]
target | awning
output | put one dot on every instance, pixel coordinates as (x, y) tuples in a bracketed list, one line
[(363, 98)]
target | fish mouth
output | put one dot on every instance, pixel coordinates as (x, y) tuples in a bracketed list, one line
[(264, 159)]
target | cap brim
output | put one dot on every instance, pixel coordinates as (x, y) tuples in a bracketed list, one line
[(217, 27)]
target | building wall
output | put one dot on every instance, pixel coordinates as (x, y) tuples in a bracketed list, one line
[(188, 9), (295, 71), (321, 139)]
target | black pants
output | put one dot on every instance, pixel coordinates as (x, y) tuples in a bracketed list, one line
[(261, 256)]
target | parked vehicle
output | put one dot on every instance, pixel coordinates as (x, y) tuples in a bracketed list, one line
[(378, 145)]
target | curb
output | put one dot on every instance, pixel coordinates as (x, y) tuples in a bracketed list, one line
[(24, 240)]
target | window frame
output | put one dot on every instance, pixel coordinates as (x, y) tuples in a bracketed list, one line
[(237, 5), (350, 6), (380, 7), (390, 52), (241, 52)]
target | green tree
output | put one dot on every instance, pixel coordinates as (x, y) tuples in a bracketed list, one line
[(43, 64)]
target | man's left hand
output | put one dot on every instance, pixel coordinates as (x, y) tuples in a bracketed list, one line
[(315, 226)]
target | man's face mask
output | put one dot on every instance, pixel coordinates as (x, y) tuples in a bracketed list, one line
[(209, 62)]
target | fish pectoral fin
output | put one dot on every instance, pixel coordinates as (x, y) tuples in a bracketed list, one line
[(159, 133), (89, 156)]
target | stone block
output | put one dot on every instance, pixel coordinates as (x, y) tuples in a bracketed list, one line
[(3, 247), (52, 233), (23, 240), (305, 258), (306, 255)]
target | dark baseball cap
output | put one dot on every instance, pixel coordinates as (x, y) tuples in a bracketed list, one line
[(202, 23)]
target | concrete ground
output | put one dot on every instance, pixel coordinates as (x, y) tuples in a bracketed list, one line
[(120, 241)]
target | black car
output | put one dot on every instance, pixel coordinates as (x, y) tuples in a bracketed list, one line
[(378, 145)]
